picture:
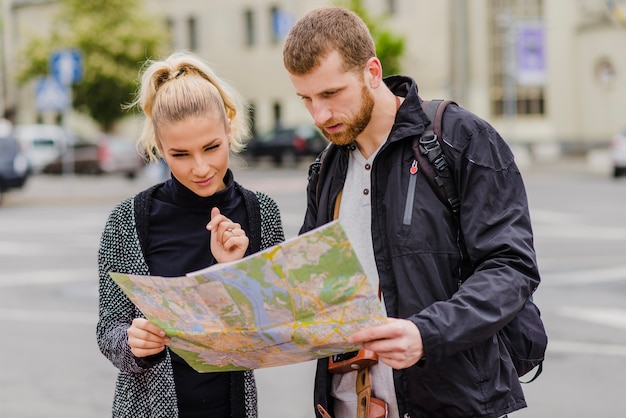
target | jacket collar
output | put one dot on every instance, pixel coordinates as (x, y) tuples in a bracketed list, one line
[(410, 118)]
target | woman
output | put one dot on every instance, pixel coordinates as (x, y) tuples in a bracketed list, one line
[(199, 217)]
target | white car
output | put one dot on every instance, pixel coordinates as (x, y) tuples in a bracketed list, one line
[(42, 143), (108, 154), (618, 153)]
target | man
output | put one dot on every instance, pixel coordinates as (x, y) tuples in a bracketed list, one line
[(448, 284)]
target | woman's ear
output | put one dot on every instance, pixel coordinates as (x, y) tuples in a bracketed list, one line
[(159, 148), (229, 135)]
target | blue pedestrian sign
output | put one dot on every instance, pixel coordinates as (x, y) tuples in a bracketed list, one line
[(66, 65), (51, 95)]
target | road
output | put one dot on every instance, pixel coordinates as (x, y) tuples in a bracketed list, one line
[(50, 365)]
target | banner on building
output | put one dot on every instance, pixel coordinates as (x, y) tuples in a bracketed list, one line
[(531, 54)]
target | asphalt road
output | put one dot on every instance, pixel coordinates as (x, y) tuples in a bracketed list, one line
[(50, 365)]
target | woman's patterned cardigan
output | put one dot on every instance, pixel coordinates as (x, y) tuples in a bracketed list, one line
[(149, 391)]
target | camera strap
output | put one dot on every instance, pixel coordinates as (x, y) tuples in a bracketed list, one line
[(363, 393), (367, 406)]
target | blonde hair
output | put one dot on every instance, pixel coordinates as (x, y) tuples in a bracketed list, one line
[(323, 30), (182, 86)]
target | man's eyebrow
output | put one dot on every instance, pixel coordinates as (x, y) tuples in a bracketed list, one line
[(322, 92)]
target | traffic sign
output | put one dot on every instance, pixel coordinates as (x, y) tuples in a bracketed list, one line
[(66, 65), (51, 95)]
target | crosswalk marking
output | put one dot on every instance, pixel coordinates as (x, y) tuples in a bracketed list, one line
[(585, 348), (576, 277), (48, 317), (88, 318), (39, 277), (611, 317)]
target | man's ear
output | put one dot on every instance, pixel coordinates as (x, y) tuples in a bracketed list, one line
[(373, 72)]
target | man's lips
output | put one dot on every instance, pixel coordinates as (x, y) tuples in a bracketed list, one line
[(331, 129)]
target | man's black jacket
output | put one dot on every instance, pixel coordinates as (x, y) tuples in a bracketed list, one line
[(458, 279)]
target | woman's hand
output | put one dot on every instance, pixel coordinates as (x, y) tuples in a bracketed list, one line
[(228, 241), (145, 338)]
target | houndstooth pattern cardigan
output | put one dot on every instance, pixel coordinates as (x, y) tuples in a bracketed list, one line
[(142, 390)]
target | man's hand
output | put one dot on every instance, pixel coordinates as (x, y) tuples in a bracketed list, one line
[(398, 343)]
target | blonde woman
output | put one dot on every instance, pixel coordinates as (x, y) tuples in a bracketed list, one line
[(198, 217)]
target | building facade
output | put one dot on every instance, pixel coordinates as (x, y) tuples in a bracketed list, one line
[(541, 71)]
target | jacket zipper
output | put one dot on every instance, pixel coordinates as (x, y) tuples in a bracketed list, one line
[(410, 196)]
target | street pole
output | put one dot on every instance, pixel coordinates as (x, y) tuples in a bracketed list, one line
[(509, 86), (460, 47), (5, 74), (66, 67)]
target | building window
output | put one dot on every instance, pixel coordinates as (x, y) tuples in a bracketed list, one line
[(249, 25), (392, 6), (274, 13), (517, 57), (280, 23), (192, 31), (252, 119), (169, 25), (277, 115)]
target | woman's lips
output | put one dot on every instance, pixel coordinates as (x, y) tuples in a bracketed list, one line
[(204, 182)]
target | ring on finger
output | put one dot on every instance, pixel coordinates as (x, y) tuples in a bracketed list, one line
[(231, 231)]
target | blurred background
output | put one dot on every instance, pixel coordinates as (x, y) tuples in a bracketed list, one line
[(548, 74)]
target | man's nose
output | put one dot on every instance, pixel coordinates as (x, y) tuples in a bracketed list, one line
[(321, 113)]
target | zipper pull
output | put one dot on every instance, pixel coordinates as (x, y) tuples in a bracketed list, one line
[(413, 169)]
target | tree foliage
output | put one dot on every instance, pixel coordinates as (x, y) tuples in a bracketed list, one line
[(389, 47), (115, 37)]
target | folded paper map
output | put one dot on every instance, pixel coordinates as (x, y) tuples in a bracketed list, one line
[(290, 303)]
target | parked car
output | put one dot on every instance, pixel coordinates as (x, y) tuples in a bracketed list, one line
[(109, 154), (618, 153), (287, 145), (42, 143), (14, 169)]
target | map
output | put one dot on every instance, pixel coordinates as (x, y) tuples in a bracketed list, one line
[(294, 302)]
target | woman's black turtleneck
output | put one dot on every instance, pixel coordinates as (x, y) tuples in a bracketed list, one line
[(179, 244)]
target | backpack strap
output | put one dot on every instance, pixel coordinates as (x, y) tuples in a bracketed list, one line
[(537, 373), (316, 168), (430, 157)]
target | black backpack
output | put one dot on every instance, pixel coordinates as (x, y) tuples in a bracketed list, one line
[(524, 337)]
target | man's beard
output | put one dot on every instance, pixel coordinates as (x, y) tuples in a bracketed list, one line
[(354, 127)]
